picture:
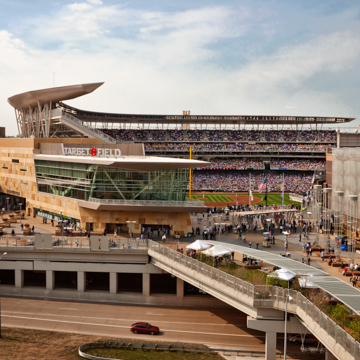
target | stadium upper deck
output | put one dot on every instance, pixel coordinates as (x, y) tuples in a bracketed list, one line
[(98, 117)]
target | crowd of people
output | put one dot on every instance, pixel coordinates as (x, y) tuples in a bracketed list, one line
[(267, 135), (240, 180), (240, 164), (174, 142), (207, 147), (234, 165), (298, 164)]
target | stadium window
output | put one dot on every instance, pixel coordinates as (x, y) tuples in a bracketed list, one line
[(23, 170), (15, 161), (5, 167)]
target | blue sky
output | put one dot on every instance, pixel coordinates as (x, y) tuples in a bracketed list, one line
[(211, 57)]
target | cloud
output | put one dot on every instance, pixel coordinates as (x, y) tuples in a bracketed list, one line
[(95, 2), (210, 60)]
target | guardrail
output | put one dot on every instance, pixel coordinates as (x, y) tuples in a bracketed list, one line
[(270, 296), (72, 119), (147, 202), (65, 242)]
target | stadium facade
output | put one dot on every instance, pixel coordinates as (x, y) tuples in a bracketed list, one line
[(96, 184)]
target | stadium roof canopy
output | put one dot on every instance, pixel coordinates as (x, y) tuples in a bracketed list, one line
[(293, 266), (56, 95), (92, 116), (135, 163), (39, 97)]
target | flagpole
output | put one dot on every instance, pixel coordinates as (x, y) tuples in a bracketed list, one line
[(249, 189), (282, 190), (190, 176), (266, 191)]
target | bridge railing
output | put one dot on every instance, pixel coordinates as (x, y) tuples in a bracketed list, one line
[(270, 295), (231, 281)]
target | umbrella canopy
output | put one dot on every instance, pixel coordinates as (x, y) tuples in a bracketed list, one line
[(216, 250), (283, 274), (198, 245)]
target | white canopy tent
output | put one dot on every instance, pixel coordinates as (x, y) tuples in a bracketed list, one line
[(283, 274), (216, 250), (198, 245)]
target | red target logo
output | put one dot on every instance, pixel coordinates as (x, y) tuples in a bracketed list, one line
[(93, 152)]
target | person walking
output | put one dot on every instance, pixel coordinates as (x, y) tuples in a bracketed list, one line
[(323, 255), (257, 245), (250, 244), (353, 280)]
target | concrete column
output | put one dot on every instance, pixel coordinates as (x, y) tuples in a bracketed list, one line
[(329, 356), (113, 283), (270, 345), (146, 284), (50, 280), (19, 278), (81, 281), (179, 288)]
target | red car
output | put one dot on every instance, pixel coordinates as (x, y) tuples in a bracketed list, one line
[(144, 328)]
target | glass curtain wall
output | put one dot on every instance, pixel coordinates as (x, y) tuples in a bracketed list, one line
[(86, 181)]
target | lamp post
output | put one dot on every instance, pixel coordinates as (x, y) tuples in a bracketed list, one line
[(285, 330), (5, 253)]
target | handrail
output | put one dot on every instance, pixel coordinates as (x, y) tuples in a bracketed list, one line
[(77, 122), (273, 295), (72, 119), (147, 202)]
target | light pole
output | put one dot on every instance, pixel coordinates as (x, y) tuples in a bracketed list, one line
[(5, 253), (285, 330)]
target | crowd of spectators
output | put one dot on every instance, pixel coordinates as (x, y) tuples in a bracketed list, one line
[(290, 164), (310, 164), (239, 181), (234, 165), (222, 135), (208, 146)]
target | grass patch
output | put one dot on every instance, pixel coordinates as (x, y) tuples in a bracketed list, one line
[(222, 197), (212, 198), (275, 199), (31, 344)]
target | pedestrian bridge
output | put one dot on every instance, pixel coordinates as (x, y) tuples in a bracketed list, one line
[(265, 305)]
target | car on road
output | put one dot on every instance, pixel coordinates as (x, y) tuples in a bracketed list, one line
[(308, 339), (144, 328)]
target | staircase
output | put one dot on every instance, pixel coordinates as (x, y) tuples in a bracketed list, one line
[(76, 125)]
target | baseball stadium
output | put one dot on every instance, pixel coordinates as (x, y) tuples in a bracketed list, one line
[(106, 170), (92, 174)]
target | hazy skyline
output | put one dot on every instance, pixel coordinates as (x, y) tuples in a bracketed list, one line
[(209, 57)]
